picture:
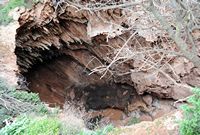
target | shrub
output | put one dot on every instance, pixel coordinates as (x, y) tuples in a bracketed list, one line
[(5, 113), (17, 127), (190, 125), (25, 96), (102, 131), (45, 126), (29, 125), (13, 103), (4, 11)]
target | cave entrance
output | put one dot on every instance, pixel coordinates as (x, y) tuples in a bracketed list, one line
[(63, 79)]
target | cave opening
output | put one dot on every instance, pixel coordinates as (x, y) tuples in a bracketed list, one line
[(61, 79)]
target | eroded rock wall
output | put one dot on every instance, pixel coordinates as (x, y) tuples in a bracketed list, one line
[(84, 38)]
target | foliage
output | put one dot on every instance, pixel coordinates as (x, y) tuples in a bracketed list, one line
[(103, 131), (27, 125), (133, 121), (16, 127), (24, 96), (4, 113), (46, 126), (13, 102), (4, 18), (190, 125)]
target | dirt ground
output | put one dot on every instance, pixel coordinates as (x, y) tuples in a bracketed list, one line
[(8, 67)]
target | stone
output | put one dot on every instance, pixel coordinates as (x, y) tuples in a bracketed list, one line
[(113, 114), (145, 117), (91, 42), (166, 125), (180, 92), (147, 99), (161, 107)]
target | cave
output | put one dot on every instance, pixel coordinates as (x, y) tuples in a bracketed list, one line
[(57, 53), (57, 59), (62, 79)]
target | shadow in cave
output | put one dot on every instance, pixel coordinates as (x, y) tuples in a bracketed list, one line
[(63, 79)]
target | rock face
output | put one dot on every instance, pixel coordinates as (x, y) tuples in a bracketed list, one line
[(166, 125), (64, 79), (69, 46), (65, 53)]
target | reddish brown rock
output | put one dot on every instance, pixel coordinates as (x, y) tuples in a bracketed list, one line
[(145, 117), (162, 107), (166, 125), (67, 50)]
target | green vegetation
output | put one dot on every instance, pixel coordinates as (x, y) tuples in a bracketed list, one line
[(43, 125), (103, 131), (133, 121), (30, 125), (190, 125), (4, 11), (13, 103), (12, 4), (26, 97), (31, 117), (47, 126)]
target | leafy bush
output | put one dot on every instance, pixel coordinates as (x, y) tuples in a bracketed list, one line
[(4, 18), (190, 125), (16, 127), (27, 125), (103, 131), (46, 126), (4, 113), (13, 103), (26, 97), (43, 125)]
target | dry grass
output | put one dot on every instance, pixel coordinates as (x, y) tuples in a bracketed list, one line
[(72, 120)]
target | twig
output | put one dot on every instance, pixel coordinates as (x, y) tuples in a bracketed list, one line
[(182, 100)]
